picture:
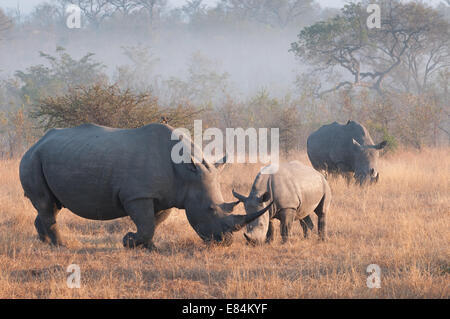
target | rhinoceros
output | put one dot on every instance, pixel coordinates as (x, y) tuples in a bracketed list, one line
[(103, 173), (345, 149), (296, 191)]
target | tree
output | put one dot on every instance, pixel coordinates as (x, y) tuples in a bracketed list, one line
[(276, 13), (153, 8), (427, 55), (47, 15), (368, 57), (123, 6), (18, 131), (94, 10), (140, 75), (5, 24), (204, 85), (64, 72)]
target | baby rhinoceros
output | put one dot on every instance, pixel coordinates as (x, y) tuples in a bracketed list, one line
[(296, 190)]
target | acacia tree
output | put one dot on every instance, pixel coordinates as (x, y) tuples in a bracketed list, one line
[(365, 57)]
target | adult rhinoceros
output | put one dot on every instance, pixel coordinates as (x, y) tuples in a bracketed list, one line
[(103, 173), (345, 149), (296, 190)]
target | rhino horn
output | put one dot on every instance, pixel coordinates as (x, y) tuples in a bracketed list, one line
[(240, 197), (236, 222), (250, 240), (380, 146)]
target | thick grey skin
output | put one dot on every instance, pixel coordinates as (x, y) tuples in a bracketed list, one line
[(346, 150), (297, 190), (103, 173)]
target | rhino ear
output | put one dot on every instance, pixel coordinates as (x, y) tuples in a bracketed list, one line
[(240, 197), (228, 207), (220, 164), (381, 145), (355, 142), (264, 197)]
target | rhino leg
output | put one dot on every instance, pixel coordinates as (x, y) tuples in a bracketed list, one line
[(348, 178), (345, 171), (142, 213), (270, 232), (307, 225), (287, 217), (321, 212), (45, 223)]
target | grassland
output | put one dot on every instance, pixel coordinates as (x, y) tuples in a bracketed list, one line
[(402, 224)]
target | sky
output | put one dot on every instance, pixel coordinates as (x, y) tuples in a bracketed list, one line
[(27, 5)]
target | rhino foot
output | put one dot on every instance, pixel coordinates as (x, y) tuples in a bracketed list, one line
[(49, 235), (130, 240)]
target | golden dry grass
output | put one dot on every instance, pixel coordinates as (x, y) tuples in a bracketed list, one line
[(401, 224)]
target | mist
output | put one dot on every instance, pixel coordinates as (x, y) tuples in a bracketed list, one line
[(255, 56)]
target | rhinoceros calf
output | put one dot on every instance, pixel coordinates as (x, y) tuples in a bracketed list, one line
[(103, 173), (296, 190), (345, 149)]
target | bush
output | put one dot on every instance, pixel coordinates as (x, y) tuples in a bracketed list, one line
[(107, 105)]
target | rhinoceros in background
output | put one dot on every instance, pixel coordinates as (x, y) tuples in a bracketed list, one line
[(296, 190), (345, 149), (105, 173)]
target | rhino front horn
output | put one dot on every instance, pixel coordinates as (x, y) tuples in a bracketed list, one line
[(236, 222)]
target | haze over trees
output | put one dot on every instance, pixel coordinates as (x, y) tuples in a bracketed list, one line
[(274, 63)]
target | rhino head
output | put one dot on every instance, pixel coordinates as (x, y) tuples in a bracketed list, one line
[(365, 159), (206, 211), (257, 229)]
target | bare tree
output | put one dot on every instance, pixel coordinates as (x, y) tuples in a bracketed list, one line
[(94, 10), (123, 6), (153, 8), (5, 24), (277, 13)]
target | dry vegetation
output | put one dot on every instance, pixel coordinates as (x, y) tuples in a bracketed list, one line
[(401, 224)]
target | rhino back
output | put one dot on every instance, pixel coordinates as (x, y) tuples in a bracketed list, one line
[(92, 169), (332, 144)]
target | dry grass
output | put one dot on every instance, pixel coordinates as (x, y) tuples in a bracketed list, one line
[(401, 224)]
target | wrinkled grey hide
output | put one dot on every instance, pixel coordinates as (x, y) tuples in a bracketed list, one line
[(296, 190), (345, 149), (103, 173)]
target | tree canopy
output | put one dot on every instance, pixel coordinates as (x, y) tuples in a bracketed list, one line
[(412, 35)]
